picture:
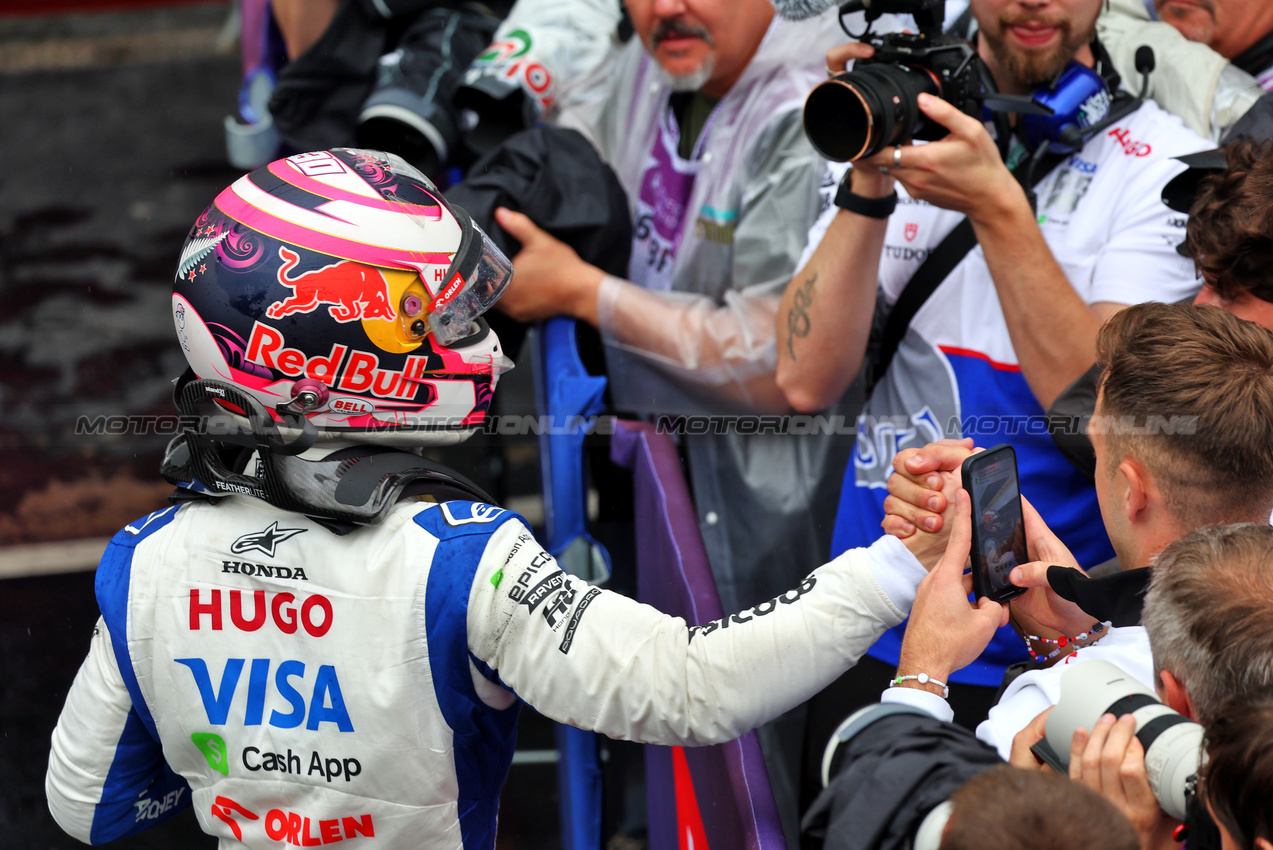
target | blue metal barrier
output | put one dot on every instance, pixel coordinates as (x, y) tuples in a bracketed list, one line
[(569, 396)]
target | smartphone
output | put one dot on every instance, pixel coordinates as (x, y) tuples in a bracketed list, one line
[(998, 525)]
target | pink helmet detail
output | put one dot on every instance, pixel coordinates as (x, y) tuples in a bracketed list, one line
[(326, 270)]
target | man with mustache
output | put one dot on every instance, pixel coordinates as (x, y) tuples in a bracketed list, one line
[(1014, 321), (1212, 96), (1239, 30), (700, 118)]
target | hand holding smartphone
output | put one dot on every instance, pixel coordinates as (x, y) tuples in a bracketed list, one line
[(998, 525)]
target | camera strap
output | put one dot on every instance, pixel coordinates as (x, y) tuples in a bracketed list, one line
[(940, 263)]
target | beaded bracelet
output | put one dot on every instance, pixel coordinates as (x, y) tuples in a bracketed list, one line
[(1061, 642), (923, 679)]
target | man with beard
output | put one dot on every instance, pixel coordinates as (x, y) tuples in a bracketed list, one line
[(1013, 322)]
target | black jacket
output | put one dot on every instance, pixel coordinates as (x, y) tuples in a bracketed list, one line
[(890, 776)]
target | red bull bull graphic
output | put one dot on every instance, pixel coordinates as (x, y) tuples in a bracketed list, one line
[(353, 291)]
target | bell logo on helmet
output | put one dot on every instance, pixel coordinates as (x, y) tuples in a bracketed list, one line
[(352, 290), (351, 405)]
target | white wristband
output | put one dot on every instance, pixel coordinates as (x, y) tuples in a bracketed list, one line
[(923, 679)]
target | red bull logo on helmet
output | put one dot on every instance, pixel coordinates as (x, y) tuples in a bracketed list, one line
[(341, 369), (351, 290)]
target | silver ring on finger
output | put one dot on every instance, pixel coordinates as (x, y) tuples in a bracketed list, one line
[(897, 156)]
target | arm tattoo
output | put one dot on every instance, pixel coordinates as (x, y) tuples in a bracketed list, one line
[(798, 319)]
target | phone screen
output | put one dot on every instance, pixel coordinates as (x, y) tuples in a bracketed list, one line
[(998, 524)]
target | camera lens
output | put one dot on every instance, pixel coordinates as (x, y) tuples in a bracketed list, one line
[(1173, 744), (859, 113)]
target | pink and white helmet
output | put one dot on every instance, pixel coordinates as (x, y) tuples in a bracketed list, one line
[(340, 284)]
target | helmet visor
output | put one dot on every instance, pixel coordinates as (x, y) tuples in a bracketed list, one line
[(476, 280)]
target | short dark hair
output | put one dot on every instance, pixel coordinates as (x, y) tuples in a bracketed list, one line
[(1230, 229), (1187, 390), (1209, 613), (1238, 778), (1008, 807)]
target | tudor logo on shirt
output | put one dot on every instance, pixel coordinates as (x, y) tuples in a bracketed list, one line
[(264, 541), (912, 230)]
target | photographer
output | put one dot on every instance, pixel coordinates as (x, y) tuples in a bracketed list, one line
[(1212, 96), (1110, 760), (1000, 807), (1015, 321), (1210, 628)]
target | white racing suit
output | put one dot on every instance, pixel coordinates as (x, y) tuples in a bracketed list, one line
[(301, 688)]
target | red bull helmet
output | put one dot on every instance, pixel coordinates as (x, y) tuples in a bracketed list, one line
[(342, 286)]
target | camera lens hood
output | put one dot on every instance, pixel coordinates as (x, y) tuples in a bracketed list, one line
[(1173, 743), (859, 113)]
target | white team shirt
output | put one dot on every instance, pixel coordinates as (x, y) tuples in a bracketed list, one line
[(1036, 690)]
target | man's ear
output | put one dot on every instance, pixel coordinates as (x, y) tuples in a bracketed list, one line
[(1176, 697), (1138, 486)]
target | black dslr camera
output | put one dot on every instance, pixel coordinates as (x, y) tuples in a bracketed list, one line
[(863, 111)]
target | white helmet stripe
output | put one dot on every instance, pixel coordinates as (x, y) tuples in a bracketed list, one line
[(399, 238)]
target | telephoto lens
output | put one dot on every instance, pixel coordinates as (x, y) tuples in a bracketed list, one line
[(861, 112), (1173, 743)]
